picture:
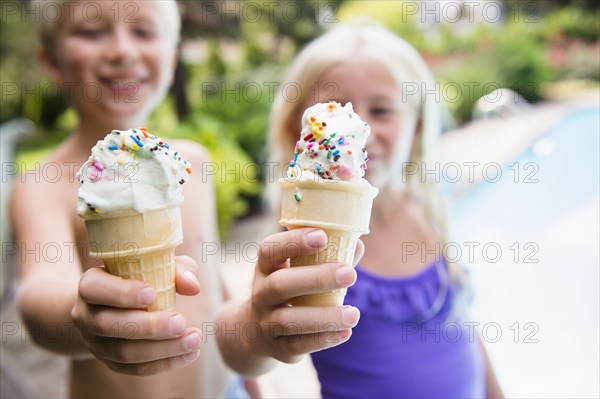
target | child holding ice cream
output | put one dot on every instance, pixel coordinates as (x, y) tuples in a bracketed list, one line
[(406, 298), (129, 59)]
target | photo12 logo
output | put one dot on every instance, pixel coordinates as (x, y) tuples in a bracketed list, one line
[(254, 92), (68, 12), (470, 171), (53, 252), (123, 92), (455, 331), (489, 252), (288, 12), (448, 11), (119, 172), (65, 332)]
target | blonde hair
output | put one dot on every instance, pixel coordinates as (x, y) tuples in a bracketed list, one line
[(47, 27), (424, 118)]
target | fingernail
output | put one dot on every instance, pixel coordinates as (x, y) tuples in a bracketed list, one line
[(344, 334), (190, 357), (147, 296), (176, 324), (192, 277), (350, 316), (345, 275), (192, 341), (316, 239)]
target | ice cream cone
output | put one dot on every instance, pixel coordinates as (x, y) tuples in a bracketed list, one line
[(342, 209), (139, 246)]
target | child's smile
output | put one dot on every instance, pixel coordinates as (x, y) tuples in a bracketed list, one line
[(122, 63)]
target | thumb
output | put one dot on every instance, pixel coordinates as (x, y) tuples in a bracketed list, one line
[(186, 276), (358, 252)]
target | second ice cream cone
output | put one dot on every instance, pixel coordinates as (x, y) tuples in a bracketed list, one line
[(342, 210)]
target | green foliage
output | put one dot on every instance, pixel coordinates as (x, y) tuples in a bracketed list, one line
[(300, 23), (397, 16), (215, 63), (523, 65), (581, 65), (18, 68), (231, 87), (571, 22), (230, 168), (512, 59), (515, 55), (464, 83), (27, 159)]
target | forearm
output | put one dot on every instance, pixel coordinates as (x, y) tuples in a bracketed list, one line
[(237, 348), (492, 387), (45, 307)]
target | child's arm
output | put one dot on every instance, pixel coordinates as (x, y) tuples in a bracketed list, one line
[(492, 387), (54, 297), (48, 265), (161, 340), (255, 332)]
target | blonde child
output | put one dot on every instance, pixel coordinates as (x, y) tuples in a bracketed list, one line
[(406, 292), (116, 64)]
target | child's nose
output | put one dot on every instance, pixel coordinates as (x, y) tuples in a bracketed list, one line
[(122, 47)]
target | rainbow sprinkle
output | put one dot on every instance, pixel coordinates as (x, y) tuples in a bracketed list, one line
[(137, 141), (142, 145), (318, 144)]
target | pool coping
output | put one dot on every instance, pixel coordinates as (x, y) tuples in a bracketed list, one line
[(501, 140)]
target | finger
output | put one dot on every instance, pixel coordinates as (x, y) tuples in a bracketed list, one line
[(291, 348), (186, 277), (279, 247), (153, 367), (98, 287), (132, 324), (143, 351), (301, 320), (358, 252), (285, 284)]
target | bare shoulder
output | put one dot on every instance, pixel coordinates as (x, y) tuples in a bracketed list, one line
[(198, 210), (39, 194), (192, 151)]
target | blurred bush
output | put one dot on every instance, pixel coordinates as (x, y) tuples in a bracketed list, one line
[(229, 85), (535, 44), (512, 58), (571, 22), (231, 169)]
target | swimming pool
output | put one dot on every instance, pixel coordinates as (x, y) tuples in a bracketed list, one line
[(535, 262)]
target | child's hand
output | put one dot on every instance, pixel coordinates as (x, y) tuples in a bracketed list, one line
[(126, 338), (267, 326)]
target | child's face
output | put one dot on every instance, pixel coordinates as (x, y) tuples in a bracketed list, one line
[(375, 97), (115, 59)]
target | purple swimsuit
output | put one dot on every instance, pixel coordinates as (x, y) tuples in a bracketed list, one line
[(405, 345)]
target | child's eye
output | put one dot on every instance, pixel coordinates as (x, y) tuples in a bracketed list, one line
[(381, 111), (89, 33), (145, 33)]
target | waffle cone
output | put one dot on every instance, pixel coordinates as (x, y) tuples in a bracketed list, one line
[(342, 210), (140, 246)]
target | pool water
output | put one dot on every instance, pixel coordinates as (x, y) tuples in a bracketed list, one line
[(535, 262)]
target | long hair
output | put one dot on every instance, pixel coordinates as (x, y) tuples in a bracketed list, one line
[(421, 120)]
